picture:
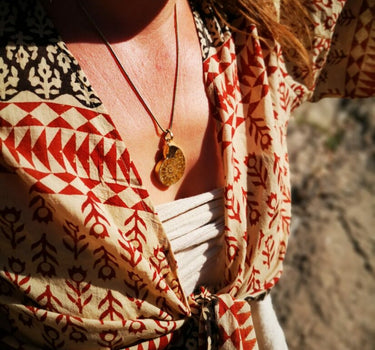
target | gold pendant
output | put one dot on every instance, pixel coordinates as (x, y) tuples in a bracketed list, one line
[(171, 168)]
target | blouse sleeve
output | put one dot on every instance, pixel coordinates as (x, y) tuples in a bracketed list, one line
[(342, 51), (348, 68)]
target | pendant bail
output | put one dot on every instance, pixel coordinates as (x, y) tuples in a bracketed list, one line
[(168, 137)]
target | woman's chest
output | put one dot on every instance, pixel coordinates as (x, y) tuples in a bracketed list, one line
[(157, 77)]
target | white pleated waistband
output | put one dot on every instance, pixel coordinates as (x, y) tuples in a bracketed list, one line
[(194, 226)]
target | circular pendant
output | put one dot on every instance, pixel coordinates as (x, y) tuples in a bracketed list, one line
[(171, 168)]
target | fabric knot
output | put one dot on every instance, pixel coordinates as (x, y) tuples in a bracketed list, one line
[(203, 310), (224, 322)]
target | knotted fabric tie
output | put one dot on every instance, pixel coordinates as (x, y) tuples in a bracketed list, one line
[(224, 323)]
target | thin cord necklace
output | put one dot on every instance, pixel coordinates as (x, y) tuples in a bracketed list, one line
[(171, 167)]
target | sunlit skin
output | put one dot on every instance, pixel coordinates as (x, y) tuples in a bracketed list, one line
[(142, 35)]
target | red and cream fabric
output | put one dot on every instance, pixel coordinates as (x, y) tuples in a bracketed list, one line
[(84, 260)]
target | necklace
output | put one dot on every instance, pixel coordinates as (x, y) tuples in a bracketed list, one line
[(171, 167)]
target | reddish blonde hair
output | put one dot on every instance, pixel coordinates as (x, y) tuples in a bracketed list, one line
[(291, 30)]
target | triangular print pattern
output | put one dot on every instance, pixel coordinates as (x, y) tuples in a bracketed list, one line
[(44, 142), (360, 78), (235, 324)]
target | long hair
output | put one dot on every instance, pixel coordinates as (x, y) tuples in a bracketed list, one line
[(291, 28)]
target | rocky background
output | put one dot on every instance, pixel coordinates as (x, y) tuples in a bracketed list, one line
[(326, 298)]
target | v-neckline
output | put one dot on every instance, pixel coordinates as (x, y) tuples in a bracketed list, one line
[(146, 200)]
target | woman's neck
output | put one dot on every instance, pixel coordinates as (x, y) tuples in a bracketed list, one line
[(119, 19)]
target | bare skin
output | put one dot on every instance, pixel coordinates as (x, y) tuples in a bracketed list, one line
[(142, 36)]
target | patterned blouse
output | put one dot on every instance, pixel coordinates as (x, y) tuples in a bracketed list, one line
[(84, 260)]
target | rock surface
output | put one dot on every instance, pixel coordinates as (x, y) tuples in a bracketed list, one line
[(326, 296)]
